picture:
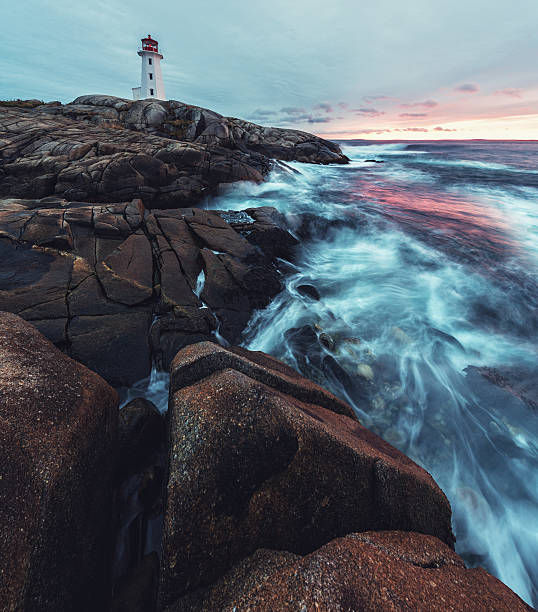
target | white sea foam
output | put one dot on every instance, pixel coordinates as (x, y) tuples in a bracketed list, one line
[(411, 305), (411, 299)]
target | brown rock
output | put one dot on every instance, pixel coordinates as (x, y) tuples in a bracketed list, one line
[(115, 346), (183, 326), (125, 268), (127, 273), (141, 435), (57, 447), (252, 467), (388, 570), (198, 361), (217, 235)]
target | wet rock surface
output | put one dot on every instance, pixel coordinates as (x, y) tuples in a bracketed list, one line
[(58, 423), (116, 286), (170, 154), (387, 570), (274, 496), (519, 382), (258, 464)]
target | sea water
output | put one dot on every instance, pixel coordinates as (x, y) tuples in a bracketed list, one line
[(426, 264)]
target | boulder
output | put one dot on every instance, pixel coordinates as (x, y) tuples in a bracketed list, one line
[(370, 571), (259, 457), (309, 291), (58, 425), (519, 382), (265, 228)]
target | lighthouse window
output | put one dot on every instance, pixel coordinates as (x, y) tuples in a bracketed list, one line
[(151, 92), (149, 60), (150, 76)]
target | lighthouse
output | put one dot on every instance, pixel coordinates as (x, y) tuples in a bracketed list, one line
[(151, 80)]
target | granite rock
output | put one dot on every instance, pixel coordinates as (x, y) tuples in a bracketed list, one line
[(118, 287), (369, 571), (58, 424), (260, 457)]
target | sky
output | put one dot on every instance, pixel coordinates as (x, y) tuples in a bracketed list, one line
[(419, 69)]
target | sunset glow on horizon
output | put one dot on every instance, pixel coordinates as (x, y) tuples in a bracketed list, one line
[(506, 114), (421, 70)]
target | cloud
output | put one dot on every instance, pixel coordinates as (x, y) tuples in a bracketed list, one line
[(372, 131), (508, 91), (412, 129), (343, 104), (423, 104), (370, 99), (292, 110), (262, 112), (442, 129), (292, 115), (467, 88), (413, 114), (323, 106), (368, 112), (318, 119)]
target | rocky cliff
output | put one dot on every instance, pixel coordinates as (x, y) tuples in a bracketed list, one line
[(170, 154)]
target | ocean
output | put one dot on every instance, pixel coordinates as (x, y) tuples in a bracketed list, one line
[(426, 267)]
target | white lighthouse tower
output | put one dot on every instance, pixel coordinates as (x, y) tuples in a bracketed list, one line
[(151, 81)]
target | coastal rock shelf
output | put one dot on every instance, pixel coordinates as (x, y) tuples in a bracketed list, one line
[(118, 287), (276, 497), (170, 154)]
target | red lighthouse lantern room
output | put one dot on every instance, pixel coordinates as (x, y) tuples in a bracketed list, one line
[(150, 44)]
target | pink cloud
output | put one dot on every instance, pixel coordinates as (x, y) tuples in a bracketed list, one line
[(508, 91), (442, 129), (413, 114), (424, 104), (372, 131), (467, 88), (368, 112)]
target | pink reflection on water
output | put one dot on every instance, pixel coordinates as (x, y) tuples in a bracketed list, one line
[(451, 218)]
